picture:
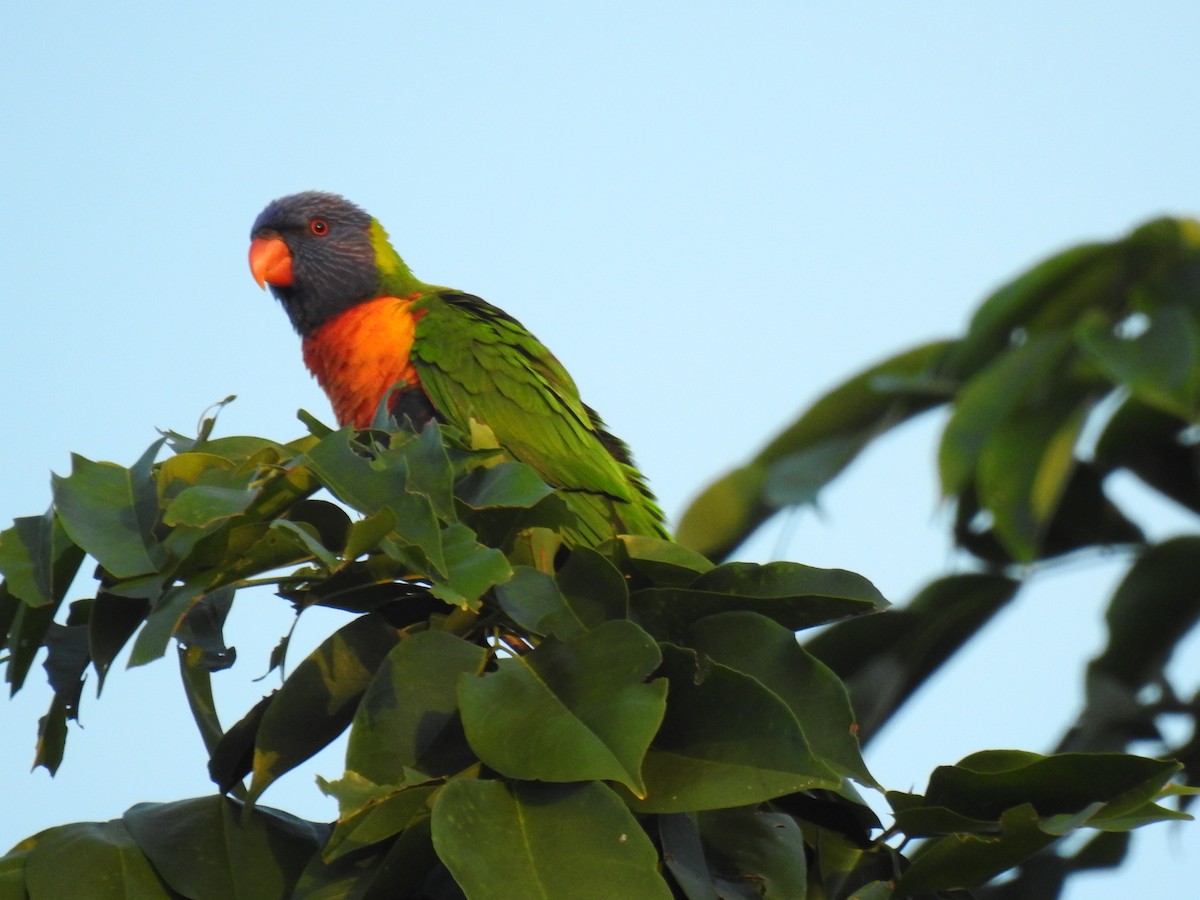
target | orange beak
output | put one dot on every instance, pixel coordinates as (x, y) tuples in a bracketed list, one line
[(270, 262)]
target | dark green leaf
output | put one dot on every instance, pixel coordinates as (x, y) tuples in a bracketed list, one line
[(884, 658), (569, 711), (794, 595), (664, 563), (762, 851), (318, 700), (66, 661), (503, 840), (965, 860), (1024, 468), (532, 599), (208, 848), (203, 628), (114, 620), (91, 861), (594, 590), (991, 398), (408, 718), (504, 484), (754, 645), (232, 757), (1156, 604), (683, 854), (471, 568), (25, 638), (986, 784), (1153, 446), (52, 735), (377, 819), (753, 751), (1159, 365)]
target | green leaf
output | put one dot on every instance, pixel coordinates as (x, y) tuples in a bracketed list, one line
[(1153, 445), (110, 512), (814, 449), (966, 860), (162, 623), (594, 589), (530, 840), (532, 599), (373, 485), (760, 849), (208, 849), (470, 568), (408, 718), (202, 505), (430, 471), (569, 710), (52, 735), (91, 861), (794, 595), (754, 645), (985, 784), (665, 563), (114, 620), (1154, 607), (506, 484), (991, 398), (385, 814), (701, 758), (38, 560), (25, 637), (726, 512), (1024, 468), (1159, 365), (318, 700), (884, 658), (1052, 293)]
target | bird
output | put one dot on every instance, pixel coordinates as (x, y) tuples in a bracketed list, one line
[(371, 330)]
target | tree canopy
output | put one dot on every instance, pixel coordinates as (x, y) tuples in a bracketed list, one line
[(637, 719)]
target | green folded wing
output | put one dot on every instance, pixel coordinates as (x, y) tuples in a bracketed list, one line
[(476, 362)]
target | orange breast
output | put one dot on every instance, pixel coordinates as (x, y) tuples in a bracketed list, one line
[(360, 355)]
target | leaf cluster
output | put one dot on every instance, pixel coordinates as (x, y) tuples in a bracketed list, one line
[(528, 717), (1083, 368)]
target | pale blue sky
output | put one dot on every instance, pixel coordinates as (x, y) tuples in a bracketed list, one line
[(711, 212)]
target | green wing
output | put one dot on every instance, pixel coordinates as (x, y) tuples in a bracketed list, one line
[(477, 362)]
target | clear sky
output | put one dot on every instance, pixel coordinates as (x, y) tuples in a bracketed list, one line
[(711, 212)]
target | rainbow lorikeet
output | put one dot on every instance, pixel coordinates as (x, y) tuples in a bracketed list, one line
[(369, 327)]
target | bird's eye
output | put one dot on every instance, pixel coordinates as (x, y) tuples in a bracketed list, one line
[(319, 227)]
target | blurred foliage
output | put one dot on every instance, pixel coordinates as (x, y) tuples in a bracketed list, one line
[(1086, 366), (528, 718)]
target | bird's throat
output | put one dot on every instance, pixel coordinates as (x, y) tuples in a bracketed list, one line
[(362, 354)]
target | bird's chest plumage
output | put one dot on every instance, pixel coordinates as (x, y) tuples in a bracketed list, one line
[(363, 353)]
